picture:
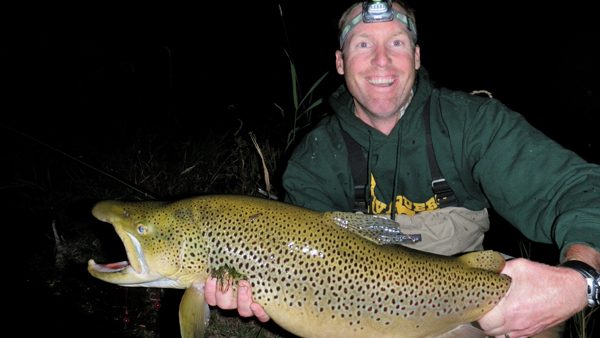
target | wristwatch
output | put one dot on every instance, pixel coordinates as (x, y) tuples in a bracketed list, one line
[(592, 278)]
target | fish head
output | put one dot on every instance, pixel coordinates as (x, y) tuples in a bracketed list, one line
[(151, 241)]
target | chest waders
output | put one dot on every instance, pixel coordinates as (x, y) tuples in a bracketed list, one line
[(448, 230)]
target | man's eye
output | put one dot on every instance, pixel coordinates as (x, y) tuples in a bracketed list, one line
[(363, 45), (397, 43)]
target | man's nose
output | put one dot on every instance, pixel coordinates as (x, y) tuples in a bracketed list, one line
[(381, 57)]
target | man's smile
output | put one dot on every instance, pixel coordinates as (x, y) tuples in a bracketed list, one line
[(381, 81)]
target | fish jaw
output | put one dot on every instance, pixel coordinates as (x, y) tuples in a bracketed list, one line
[(122, 273)]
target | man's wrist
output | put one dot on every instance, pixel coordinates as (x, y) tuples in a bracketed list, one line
[(592, 279)]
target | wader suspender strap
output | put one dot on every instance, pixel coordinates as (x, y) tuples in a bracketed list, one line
[(358, 165), (441, 190), (444, 194)]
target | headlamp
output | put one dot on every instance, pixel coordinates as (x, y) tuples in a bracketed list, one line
[(374, 11), (377, 11)]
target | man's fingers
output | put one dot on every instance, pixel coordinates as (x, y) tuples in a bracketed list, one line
[(221, 296), (210, 290), (259, 312), (244, 299), (226, 299), (493, 322), (246, 306)]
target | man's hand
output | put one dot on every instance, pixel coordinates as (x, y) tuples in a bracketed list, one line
[(540, 297), (228, 299)]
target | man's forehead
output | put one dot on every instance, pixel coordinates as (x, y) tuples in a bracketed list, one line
[(364, 32)]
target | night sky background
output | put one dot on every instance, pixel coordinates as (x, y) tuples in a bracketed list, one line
[(83, 82)]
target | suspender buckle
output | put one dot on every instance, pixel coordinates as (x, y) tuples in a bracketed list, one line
[(443, 193)]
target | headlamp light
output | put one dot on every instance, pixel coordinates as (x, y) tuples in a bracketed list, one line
[(377, 11), (374, 11)]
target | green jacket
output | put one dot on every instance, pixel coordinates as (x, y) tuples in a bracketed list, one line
[(490, 155)]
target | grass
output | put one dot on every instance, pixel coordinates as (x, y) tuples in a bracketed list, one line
[(582, 325)]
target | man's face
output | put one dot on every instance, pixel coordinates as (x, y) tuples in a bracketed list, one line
[(379, 64)]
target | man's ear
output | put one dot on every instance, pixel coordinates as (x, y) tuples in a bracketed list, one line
[(417, 57), (339, 62)]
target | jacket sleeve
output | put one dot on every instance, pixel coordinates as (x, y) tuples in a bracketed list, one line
[(548, 192), (316, 176)]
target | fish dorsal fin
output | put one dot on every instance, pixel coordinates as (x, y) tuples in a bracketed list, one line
[(375, 228), (486, 260)]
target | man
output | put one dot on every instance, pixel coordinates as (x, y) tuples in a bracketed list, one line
[(474, 151)]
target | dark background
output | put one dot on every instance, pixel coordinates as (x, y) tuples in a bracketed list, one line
[(83, 82), (182, 69)]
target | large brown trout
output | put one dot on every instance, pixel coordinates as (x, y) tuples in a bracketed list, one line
[(317, 274)]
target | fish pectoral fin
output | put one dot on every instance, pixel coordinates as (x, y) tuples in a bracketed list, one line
[(375, 228), (487, 260), (193, 312)]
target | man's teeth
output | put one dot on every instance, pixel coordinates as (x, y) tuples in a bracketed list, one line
[(381, 81)]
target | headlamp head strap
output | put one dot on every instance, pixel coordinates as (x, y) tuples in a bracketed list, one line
[(378, 11)]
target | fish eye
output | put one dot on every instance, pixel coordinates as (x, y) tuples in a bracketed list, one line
[(141, 229)]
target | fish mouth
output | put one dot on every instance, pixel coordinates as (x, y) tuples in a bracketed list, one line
[(109, 267), (133, 272)]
